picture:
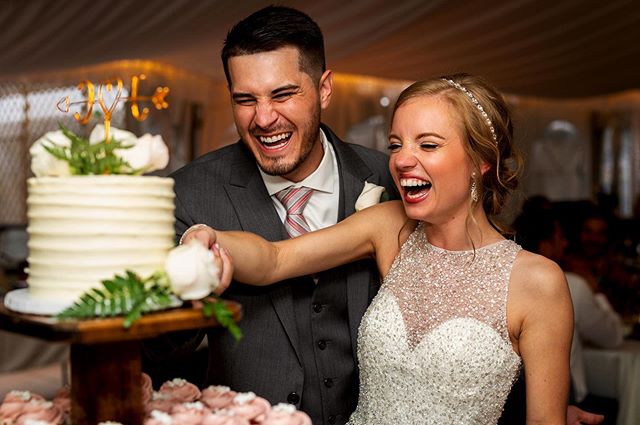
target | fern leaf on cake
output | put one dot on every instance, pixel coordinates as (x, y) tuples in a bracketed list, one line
[(123, 295)]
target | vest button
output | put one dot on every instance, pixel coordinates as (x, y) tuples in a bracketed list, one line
[(332, 419), (317, 307), (293, 398), (322, 344), (328, 382)]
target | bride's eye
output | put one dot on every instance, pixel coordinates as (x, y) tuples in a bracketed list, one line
[(428, 146)]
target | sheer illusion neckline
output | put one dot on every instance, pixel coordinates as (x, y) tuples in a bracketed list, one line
[(423, 238)]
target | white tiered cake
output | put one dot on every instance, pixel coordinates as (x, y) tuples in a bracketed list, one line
[(83, 229)]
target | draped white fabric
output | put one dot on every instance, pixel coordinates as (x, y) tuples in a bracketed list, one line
[(571, 48)]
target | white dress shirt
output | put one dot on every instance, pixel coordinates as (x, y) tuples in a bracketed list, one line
[(322, 209), (595, 323)]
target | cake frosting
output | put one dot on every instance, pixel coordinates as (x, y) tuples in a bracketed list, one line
[(84, 229)]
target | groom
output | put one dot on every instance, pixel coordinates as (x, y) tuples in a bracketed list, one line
[(299, 335)]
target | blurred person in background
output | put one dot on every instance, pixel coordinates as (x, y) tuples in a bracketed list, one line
[(595, 321), (595, 253)]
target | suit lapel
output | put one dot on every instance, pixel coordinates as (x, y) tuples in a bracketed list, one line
[(252, 203), (256, 213)]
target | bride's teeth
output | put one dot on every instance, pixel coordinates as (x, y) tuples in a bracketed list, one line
[(413, 182)]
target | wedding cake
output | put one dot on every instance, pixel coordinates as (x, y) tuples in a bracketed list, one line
[(84, 229)]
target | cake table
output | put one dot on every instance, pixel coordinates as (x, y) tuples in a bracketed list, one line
[(107, 357)]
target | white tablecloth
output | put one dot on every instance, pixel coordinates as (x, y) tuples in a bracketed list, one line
[(616, 374)]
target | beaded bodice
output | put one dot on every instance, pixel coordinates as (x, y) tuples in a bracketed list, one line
[(433, 347)]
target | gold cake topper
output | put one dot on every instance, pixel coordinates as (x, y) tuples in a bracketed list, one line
[(157, 98)]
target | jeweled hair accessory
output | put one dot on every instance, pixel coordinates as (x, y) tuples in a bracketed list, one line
[(477, 104)]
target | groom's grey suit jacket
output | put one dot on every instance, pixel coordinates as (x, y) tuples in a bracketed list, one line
[(289, 352)]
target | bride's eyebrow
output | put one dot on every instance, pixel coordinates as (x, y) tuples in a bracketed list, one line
[(429, 134)]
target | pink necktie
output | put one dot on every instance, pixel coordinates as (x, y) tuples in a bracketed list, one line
[(294, 199)]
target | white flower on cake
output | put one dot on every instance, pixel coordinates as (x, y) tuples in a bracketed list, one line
[(56, 154), (191, 271), (148, 153), (370, 195), (98, 133), (42, 162)]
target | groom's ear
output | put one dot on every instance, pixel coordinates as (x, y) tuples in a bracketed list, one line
[(325, 88)]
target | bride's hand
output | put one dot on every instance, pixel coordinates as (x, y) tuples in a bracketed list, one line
[(224, 261)]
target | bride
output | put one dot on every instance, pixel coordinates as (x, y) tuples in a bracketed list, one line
[(461, 308)]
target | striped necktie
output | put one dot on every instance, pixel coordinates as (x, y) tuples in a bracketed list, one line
[(294, 199)]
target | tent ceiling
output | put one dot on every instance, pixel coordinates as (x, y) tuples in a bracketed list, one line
[(550, 48)]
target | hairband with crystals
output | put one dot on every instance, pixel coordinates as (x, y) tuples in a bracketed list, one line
[(478, 105)]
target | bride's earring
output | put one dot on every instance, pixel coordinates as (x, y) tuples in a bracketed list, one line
[(474, 188)]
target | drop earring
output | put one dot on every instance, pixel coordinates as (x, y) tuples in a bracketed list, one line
[(474, 188)]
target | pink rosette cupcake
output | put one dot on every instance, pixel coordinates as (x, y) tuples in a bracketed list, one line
[(9, 412), (159, 401), (224, 417), (217, 396), (251, 407), (21, 397), (147, 388), (189, 413), (156, 417), (286, 414), (62, 400), (13, 405), (40, 410), (181, 390)]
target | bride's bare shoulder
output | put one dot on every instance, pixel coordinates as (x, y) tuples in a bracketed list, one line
[(537, 278)]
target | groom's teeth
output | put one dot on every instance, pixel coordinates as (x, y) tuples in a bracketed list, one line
[(274, 139)]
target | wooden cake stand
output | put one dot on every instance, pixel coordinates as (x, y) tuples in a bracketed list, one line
[(106, 374)]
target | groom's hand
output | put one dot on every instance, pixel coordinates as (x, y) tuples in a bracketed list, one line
[(200, 232)]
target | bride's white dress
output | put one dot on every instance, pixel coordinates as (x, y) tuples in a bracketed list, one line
[(433, 347)]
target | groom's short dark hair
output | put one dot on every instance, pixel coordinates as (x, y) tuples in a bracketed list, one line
[(272, 28)]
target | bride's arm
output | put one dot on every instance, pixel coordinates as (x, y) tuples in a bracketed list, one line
[(541, 316), (371, 233)]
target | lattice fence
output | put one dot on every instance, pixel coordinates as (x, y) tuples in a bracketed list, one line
[(26, 113)]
